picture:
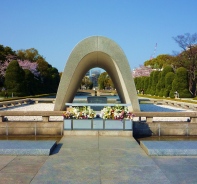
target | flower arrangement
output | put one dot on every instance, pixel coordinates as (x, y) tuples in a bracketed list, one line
[(79, 113), (117, 113)]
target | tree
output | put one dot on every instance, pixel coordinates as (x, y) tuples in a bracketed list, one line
[(32, 67), (160, 61), (168, 83), (142, 71), (158, 85), (180, 83), (30, 83), (139, 83), (188, 58), (86, 82), (155, 77), (104, 81), (161, 82), (55, 78), (101, 80), (28, 54), (146, 80), (5, 52), (49, 77), (150, 83), (46, 77), (14, 79)]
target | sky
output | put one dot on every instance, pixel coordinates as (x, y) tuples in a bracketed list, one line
[(54, 27)]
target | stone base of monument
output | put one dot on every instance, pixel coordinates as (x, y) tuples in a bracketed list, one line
[(97, 127), (98, 133), (22, 147), (97, 100), (97, 124), (169, 148)]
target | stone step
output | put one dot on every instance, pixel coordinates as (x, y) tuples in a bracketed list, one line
[(169, 148), (26, 147)]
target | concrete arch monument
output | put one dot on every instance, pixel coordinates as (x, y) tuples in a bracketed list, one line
[(97, 51)]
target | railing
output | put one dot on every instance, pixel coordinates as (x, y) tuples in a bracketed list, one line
[(184, 105), (46, 125), (149, 115), (30, 127), (45, 100), (44, 114), (12, 103)]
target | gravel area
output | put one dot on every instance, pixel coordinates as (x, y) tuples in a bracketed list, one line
[(33, 107), (50, 106)]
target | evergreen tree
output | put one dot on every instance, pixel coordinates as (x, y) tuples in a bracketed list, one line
[(158, 86), (180, 83), (54, 77), (14, 79), (30, 83), (162, 80), (154, 82), (146, 82), (150, 83), (49, 77), (137, 83), (168, 83)]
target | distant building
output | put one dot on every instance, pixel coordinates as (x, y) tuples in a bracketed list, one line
[(94, 76)]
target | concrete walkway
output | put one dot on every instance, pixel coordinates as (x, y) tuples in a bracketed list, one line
[(98, 159)]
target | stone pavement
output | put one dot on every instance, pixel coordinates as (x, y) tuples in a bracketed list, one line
[(98, 159), (169, 148)]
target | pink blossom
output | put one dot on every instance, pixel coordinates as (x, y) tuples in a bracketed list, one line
[(24, 64), (141, 71)]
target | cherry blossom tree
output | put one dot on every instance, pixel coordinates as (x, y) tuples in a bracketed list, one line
[(26, 64), (29, 66), (142, 71)]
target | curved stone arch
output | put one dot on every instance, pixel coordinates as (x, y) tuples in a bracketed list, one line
[(97, 51)]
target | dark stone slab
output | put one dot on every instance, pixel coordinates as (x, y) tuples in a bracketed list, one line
[(170, 148), (18, 147), (97, 100)]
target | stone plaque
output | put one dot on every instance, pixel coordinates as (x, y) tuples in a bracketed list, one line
[(97, 100)]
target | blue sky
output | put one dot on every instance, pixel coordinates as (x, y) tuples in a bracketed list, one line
[(55, 27)]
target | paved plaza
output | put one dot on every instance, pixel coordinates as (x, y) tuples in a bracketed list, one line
[(98, 159)]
